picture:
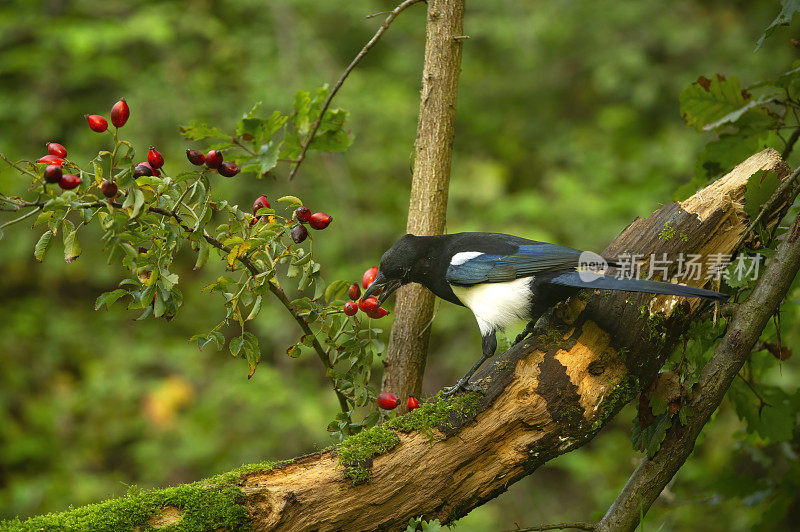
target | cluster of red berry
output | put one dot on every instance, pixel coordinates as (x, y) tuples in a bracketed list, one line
[(389, 401), (318, 220), (370, 306), (55, 158), (213, 160)]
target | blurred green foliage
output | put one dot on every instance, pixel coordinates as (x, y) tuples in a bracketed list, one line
[(568, 127)]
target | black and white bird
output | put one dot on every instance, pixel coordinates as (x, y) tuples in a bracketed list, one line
[(502, 279)]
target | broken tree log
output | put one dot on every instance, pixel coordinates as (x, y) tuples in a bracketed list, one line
[(542, 398)]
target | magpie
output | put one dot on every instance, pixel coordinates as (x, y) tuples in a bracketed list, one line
[(502, 279)]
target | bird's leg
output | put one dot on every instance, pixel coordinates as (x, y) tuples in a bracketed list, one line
[(525, 332), (489, 345)]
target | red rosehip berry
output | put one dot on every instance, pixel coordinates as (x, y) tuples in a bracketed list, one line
[(54, 148), (388, 401), (227, 169), (354, 292), (377, 313), (53, 173), (214, 159), (319, 220), (299, 233), (412, 403), (142, 169), (108, 188), (303, 214), (69, 181), (51, 159), (155, 158), (369, 304), (195, 157), (120, 113), (261, 203), (369, 276), (350, 308), (97, 123)]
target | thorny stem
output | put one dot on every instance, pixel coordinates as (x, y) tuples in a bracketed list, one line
[(375, 38), (15, 220)]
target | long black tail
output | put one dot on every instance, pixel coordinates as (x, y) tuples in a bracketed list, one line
[(591, 280)]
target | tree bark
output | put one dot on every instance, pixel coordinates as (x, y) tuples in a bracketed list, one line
[(408, 344), (544, 397), (746, 326)]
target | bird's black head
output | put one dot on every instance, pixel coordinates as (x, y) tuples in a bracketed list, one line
[(397, 266)]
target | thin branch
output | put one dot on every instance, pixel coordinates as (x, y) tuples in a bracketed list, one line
[(560, 526), (17, 167), (15, 220), (790, 144), (770, 204), (367, 47)]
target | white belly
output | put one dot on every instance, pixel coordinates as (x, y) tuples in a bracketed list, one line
[(497, 305)]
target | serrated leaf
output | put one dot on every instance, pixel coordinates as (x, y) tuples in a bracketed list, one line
[(774, 419), (706, 101), (336, 290), (733, 116), (41, 246), (72, 249), (199, 131), (109, 298), (43, 217), (235, 345), (255, 310), (138, 202), (760, 186)]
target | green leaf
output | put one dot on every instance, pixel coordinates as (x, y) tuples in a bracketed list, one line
[(294, 200), (42, 245), (774, 419), (109, 298), (336, 290), (138, 202), (706, 101), (760, 187), (274, 123), (251, 352), (199, 131), (249, 128), (722, 155), (733, 116), (788, 11), (72, 248), (202, 253), (235, 345), (255, 310)]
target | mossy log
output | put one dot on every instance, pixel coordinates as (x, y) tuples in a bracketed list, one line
[(542, 398)]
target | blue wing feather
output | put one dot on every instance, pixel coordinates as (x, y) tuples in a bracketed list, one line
[(529, 260)]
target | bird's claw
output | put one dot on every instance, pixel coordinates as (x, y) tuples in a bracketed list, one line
[(452, 390)]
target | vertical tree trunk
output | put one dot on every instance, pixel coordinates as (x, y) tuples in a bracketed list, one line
[(408, 344)]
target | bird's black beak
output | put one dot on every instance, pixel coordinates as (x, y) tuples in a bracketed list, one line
[(384, 285)]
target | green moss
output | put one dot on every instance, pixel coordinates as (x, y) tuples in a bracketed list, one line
[(570, 414), (356, 452), (668, 231), (622, 394), (208, 504), (203, 507)]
